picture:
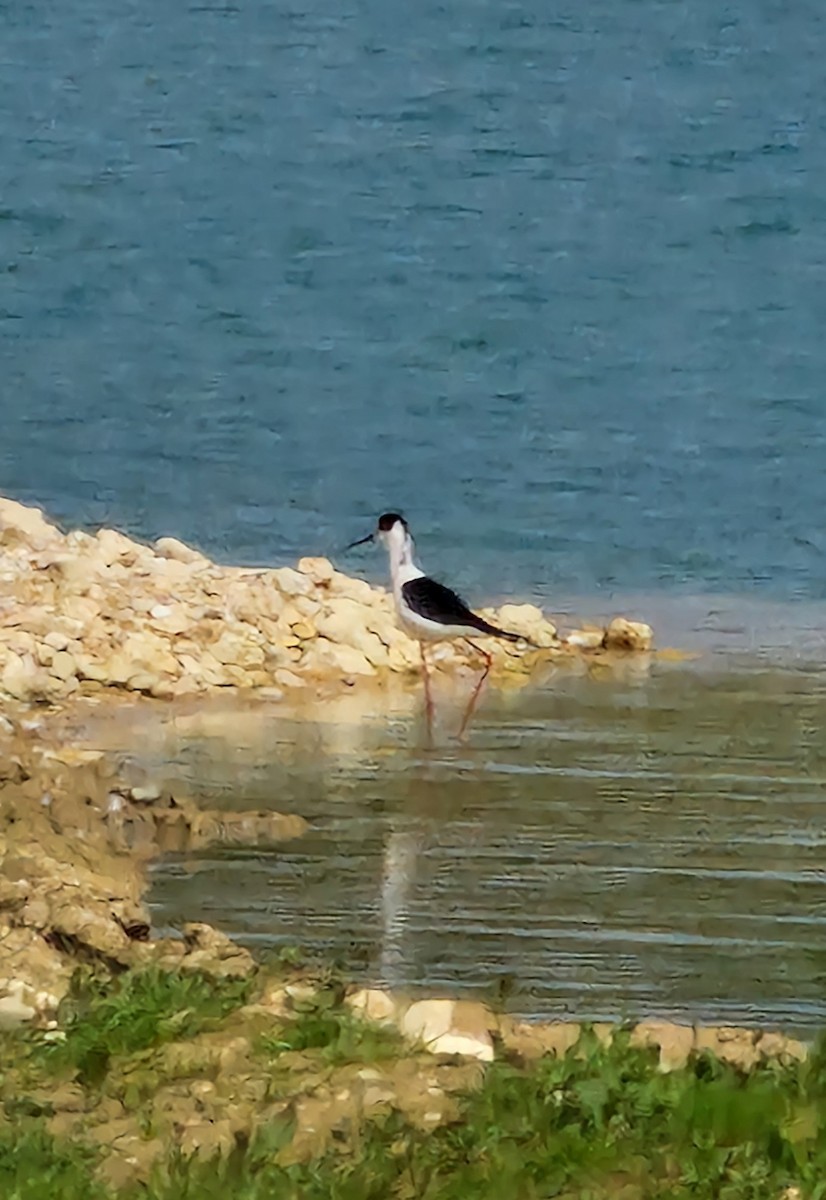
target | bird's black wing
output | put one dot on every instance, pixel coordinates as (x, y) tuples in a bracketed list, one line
[(436, 602)]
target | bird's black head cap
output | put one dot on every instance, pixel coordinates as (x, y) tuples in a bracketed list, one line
[(389, 519)]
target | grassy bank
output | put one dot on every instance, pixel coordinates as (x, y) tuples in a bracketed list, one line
[(177, 1087)]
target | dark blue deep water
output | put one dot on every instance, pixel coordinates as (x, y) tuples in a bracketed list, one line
[(551, 277)]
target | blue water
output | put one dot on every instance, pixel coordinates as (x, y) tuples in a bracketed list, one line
[(549, 277)]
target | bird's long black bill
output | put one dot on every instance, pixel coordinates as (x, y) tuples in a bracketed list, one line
[(360, 542)]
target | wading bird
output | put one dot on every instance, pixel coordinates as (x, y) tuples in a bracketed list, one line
[(429, 611)]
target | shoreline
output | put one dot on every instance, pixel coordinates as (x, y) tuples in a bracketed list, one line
[(80, 613)]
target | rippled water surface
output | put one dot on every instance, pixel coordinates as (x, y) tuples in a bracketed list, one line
[(648, 842)]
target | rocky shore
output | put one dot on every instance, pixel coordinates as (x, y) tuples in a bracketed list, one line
[(83, 612), (127, 1049)]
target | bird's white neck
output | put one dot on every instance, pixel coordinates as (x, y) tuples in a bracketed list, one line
[(400, 548)]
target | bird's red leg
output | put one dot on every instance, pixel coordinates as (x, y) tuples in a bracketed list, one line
[(428, 699), (472, 705)]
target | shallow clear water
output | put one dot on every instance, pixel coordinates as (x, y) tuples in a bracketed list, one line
[(549, 277), (605, 845)]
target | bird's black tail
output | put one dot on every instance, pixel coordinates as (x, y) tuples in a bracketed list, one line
[(493, 631)]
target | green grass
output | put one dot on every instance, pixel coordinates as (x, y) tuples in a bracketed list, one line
[(103, 1019), (599, 1124), (321, 1025), (35, 1167), (605, 1126)]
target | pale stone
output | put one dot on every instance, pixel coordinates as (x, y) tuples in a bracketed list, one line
[(320, 570), (44, 655), (353, 589), (372, 1004), (112, 546), (22, 678), (118, 668), (369, 1074), (21, 642), (63, 665), (232, 648), (730, 1044), (300, 993), (463, 1044), (76, 573), (306, 606), (532, 1040), (14, 1009), (91, 668), (174, 575), (304, 630), (288, 679), (344, 659), (628, 635), (674, 1042), (26, 520), (345, 626), (528, 620), (170, 547), (427, 1020), (386, 628), (778, 1045), (81, 611), (145, 681), (146, 794), (56, 640), (374, 1097), (170, 620), (291, 582), (141, 652), (274, 1000), (586, 639), (403, 657)]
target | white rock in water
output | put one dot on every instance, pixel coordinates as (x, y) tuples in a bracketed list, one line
[(528, 620), (586, 639), (622, 634)]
